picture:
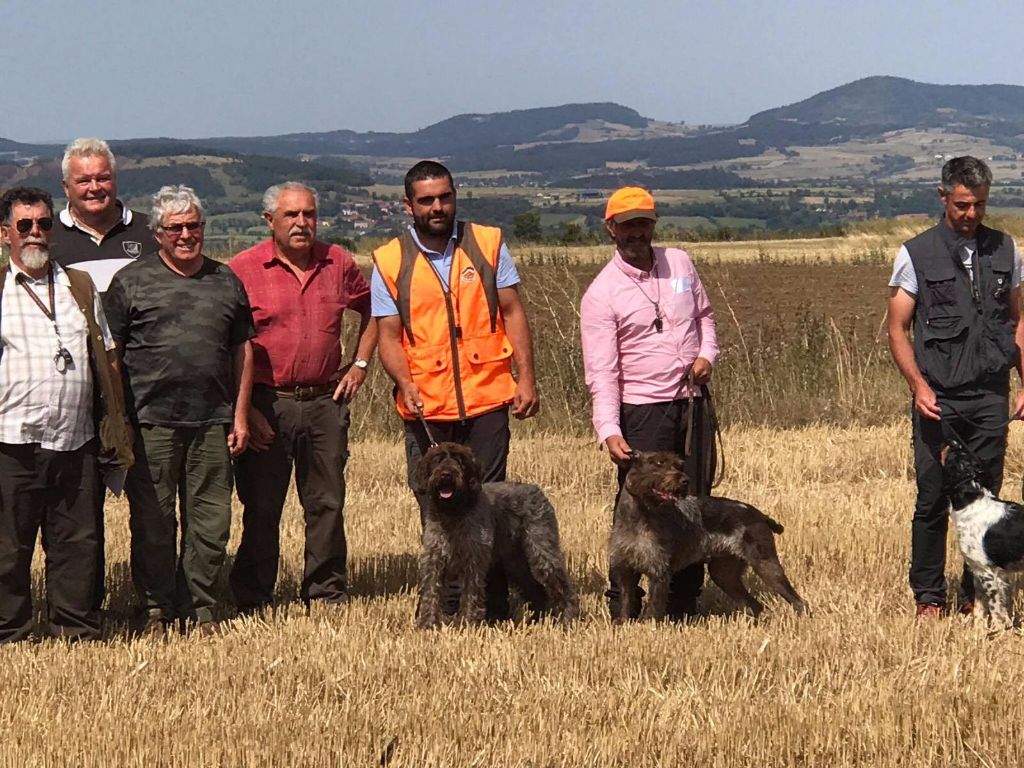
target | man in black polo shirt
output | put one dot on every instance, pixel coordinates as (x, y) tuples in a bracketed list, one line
[(96, 232), (958, 286), (183, 324)]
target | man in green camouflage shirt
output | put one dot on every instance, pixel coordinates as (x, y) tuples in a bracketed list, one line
[(183, 324)]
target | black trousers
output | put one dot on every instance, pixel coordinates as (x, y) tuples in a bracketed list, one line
[(662, 427), (54, 491), (931, 510), (488, 436), (312, 435)]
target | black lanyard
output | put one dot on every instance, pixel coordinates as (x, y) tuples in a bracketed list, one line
[(62, 359), (51, 313)]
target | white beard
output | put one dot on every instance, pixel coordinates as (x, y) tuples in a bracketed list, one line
[(35, 256)]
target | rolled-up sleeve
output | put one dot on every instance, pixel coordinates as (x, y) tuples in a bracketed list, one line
[(599, 336)]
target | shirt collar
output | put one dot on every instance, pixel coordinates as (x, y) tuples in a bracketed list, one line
[(60, 277), (321, 253), (631, 271), (424, 249), (69, 221)]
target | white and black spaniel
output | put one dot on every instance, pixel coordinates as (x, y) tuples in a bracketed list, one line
[(990, 533)]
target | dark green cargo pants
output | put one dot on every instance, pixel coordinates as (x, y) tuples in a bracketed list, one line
[(192, 463)]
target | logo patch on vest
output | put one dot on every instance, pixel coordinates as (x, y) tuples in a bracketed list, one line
[(468, 275), (132, 248)]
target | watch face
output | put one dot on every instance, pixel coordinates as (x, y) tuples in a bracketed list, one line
[(360, 363)]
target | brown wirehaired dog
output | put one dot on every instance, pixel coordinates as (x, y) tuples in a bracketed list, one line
[(469, 525), (659, 530)]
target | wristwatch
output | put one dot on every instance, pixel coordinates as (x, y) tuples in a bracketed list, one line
[(360, 363)]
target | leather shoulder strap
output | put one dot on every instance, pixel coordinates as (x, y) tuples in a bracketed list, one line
[(488, 275)]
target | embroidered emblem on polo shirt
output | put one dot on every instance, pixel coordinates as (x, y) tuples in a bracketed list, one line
[(132, 248), (468, 275)]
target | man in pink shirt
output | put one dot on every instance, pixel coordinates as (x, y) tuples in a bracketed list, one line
[(298, 288), (648, 329)]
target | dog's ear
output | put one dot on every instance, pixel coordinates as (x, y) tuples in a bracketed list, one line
[(949, 445), (471, 470), (421, 473)]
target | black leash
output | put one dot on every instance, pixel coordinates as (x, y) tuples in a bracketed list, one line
[(426, 429), (947, 426), (711, 416), (976, 425)]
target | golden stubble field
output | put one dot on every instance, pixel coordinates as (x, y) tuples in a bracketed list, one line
[(860, 682)]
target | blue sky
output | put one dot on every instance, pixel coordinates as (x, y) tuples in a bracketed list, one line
[(121, 69)]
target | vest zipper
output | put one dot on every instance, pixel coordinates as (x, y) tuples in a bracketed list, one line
[(454, 333)]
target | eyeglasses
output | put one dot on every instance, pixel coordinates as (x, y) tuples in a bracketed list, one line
[(175, 230), (24, 226)]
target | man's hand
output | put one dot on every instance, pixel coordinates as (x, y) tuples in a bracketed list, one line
[(925, 402), (410, 395), (526, 401), (701, 371), (618, 449), (1018, 406), (261, 434), (350, 383), (238, 437)]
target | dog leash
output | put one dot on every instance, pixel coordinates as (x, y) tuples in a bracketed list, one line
[(426, 429), (976, 425), (947, 426), (718, 473)]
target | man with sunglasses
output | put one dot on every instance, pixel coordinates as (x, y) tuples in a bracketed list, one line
[(48, 441), (96, 232), (183, 324)]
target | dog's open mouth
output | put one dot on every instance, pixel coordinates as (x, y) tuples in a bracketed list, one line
[(446, 488), (665, 495)]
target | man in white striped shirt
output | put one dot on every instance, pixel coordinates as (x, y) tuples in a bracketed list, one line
[(48, 444)]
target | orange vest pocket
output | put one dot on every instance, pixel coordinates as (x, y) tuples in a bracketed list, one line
[(489, 348)]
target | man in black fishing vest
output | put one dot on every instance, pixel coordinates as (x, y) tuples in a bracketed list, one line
[(958, 285)]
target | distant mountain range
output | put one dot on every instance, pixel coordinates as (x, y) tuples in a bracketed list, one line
[(573, 143)]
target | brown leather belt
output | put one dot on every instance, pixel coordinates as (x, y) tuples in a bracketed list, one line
[(306, 392)]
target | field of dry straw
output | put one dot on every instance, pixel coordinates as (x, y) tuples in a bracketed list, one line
[(859, 682)]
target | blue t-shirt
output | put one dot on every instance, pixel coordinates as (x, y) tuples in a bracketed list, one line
[(382, 305)]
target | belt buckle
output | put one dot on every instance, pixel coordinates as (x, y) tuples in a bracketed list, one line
[(299, 393)]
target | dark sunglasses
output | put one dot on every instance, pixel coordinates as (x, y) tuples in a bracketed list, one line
[(24, 226)]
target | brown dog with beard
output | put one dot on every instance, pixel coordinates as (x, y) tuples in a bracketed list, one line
[(469, 525), (659, 529)]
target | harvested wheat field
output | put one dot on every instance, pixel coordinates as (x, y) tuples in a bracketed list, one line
[(859, 682)]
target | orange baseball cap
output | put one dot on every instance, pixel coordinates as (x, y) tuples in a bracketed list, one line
[(630, 203)]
